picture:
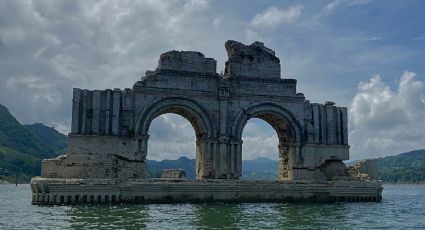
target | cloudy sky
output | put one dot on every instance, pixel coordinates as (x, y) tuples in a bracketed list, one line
[(364, 54)]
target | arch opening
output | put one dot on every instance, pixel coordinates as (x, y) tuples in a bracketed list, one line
[(171, 146), (285, 143), (187, 110), (260, 156), (286, 129)]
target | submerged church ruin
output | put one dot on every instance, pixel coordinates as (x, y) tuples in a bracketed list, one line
[(108, 143)]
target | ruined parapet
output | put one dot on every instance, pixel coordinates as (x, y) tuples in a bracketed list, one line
[(327, 124), (173, 174), (102, 112), (186, 61), (364, 170), (254, 61)]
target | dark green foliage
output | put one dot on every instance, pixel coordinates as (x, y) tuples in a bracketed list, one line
[(49, 137), (14, 135), (404, 168), (22, 147)]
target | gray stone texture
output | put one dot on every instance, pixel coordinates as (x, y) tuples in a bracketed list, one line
[(110, 128)]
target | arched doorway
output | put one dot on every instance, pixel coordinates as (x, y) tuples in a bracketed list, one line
[(193, 113), (287, 130), (171, 145), (260, 155)]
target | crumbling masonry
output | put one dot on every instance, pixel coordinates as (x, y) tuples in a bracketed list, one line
[(110, 128)]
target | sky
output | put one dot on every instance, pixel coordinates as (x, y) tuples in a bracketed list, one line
[(367, 55)]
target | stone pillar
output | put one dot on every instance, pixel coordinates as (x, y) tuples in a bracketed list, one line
[(204, 158), (330, 124), (316, 123), (108, 112), (76, 116), (142, 148), (224, 161), (283, 160), (235, 159), (96, 112), (344, 126), (224, 150), (84, 117), (139, 166), (116, 110)]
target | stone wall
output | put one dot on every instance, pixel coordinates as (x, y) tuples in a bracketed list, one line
[(110, 128), (188, 61), (255, 61)]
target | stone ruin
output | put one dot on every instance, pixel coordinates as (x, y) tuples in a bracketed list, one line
[(173, 174), (110, 128)]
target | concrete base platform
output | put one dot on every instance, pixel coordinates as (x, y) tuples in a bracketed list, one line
[(48, 191)]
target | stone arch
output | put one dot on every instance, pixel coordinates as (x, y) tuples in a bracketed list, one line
[(286, 126), (194, 113), (186, 108), (269, 112)]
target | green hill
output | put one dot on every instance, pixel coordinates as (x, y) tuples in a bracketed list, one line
[(22, 147), (403, 168), (50, 137)]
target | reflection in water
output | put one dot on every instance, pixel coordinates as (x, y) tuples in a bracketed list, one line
[(217, 215), (402, 208), (312, 215), (104, 216)]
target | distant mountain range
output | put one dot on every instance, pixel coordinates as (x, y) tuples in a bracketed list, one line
[(22, 147), (403, 168), (260, 168)]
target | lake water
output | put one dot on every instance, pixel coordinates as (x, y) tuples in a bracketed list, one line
[(402, 207)]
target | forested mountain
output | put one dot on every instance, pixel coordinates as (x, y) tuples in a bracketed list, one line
[(22, 147), (260, 168), (403, 168)]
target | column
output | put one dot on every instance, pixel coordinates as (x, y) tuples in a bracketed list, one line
[(116, 109), (76, 116), (96, 112)]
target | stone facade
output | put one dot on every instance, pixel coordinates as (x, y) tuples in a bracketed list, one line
[(110, 128)]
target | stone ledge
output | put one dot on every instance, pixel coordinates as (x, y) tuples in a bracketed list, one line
[(80, 191)]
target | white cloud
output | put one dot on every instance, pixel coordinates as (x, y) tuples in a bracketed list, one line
[(49, 47), (342, 3), (274, 17), (171, 136), (385, 121), (259, 140)]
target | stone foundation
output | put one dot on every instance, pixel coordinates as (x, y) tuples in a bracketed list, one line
[(85, 191)]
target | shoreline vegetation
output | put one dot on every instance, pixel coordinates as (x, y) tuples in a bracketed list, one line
[(22, 147)]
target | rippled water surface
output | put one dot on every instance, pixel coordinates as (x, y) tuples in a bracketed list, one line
[(402, 207)]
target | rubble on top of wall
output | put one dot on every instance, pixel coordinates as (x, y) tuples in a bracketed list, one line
[(185, 61), (173, 173), (254, 61), (364, 170)]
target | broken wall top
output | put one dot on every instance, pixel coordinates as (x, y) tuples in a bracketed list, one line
[(187, 61), (253, 61)]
